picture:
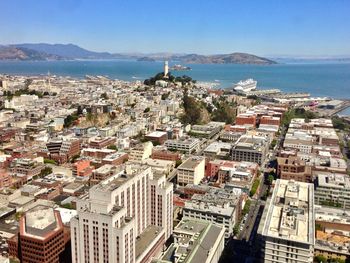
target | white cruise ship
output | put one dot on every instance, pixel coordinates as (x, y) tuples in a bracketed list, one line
[(245, 85)]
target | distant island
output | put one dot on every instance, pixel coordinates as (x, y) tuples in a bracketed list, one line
[(147, 59), (45, 51)]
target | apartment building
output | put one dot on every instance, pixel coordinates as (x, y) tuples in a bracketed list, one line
[(100, 143), (157, 137), (287, 226), (187, 145), (27, 167), (293, 168), (163, 154), (208, 130), (141, 152), (195, 241), (191, 171), (247, 120), (251, 148), (332, 232), (125, 218), (217, 205), (332, 189)]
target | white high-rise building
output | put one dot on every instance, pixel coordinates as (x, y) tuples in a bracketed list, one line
[(125, 218), (166, 68), (287, 226)]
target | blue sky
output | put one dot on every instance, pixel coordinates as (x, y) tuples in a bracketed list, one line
[(262, 27)]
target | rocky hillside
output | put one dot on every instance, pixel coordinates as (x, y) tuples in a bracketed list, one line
[(17, 53), (45, 51), (234, 58)]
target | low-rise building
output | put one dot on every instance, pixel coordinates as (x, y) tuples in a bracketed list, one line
[(100, 143), (208, 130), (195, 241), (163, 154), (246, 119), (116, 158), (191, 171), (293, 168), (332, 232), (187, 145), (141, 152), (251, 148), (217, 205), (157, 137), (218, 150), (332, 189), (162, 167), (82, 168)]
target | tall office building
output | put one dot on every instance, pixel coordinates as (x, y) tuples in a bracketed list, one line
[(42, 237), (124, 218), (287, 226)]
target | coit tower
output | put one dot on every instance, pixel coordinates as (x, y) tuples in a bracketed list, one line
[(166, 68)]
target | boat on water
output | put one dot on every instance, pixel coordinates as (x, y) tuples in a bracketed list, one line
[(179, 67), (245, 85)]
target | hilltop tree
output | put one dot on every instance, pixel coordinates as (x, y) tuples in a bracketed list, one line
[(195, 111), (225, 112)]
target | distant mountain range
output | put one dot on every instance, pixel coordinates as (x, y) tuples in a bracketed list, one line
[(44, 51)]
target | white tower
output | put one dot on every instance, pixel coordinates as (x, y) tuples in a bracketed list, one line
[(166, 68)]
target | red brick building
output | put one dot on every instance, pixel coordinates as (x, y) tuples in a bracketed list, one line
[(246, 120), (165, 155), (5, 178), (6, 134), (61, 150), (82, 168), (100, 143), (42, 237), (270, 120), (115, 158), (293, 168), (235, 128), (157, 137)]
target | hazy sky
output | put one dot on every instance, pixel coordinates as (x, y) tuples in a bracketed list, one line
[(262, 27)]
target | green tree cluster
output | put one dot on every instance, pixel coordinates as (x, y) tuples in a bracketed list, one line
[(169, 78), (104, 96), (225, 112), (194, 110), (9, 94), (112, 147), (254, 187), (297, 113), (46, 171), (340, 124), (49, 161), (246, 207), (69, 120)]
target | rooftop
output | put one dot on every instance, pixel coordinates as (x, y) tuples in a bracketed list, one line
[(289, 214), (197, 238), (191, 163)]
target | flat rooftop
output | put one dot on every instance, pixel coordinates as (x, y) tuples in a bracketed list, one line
[(200, 237), (147, 236), (191, 163), (157, 134), (290, 212), (333, 180)]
